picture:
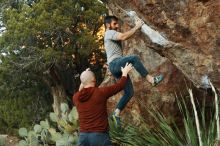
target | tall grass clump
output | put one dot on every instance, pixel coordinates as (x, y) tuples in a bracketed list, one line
[(200, 128)]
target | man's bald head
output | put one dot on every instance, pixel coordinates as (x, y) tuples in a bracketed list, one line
[(87, 77)]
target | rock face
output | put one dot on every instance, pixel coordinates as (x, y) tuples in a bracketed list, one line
[(194, 26)]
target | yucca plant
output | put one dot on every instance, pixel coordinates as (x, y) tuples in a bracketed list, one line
[(129, 135), (197, 130)]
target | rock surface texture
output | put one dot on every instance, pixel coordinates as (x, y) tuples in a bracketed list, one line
[(191, 58)]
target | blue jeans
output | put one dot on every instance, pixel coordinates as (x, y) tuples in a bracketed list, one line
[(94, 139), (115, 69)]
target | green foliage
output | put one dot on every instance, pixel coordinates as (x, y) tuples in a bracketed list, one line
[(62, 132), (15, 113), (54, 27), (41, 35), (166, 134), (51, 28)]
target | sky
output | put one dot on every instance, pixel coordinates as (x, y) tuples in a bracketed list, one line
[(1, 31), (1, 28)]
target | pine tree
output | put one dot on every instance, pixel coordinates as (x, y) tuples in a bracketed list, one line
[(47, 44)]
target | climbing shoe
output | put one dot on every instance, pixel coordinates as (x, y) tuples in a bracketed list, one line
[(157, 80), (116, 120)]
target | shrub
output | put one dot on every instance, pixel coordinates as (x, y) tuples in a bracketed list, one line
[(20, 112)]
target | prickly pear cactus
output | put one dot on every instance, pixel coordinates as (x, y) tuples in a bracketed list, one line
[(69, 121), (22, 143), (32, 139), (2, 140), (53, 117), (64, 132), (45, 124), (73, 116), (64, 107), (37, 128), (23, 132)]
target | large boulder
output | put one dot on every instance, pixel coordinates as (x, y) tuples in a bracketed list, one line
[(191, 60)]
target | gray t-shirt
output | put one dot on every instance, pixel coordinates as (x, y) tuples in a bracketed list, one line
[(113, 46)]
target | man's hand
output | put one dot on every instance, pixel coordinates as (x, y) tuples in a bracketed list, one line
[(81, 87), (126, 69), (138, 23)]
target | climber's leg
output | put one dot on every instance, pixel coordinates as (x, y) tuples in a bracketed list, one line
[(138, 65), (128, 93), (134, 60), (115, 68)]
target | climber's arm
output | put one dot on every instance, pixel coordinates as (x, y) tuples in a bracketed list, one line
[(113, 89), (126, 35)]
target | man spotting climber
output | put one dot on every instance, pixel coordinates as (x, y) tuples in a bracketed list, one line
[(91, 105), (115, 60)]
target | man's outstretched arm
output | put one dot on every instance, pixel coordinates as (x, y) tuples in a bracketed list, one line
[(113, 89), (126, 35)]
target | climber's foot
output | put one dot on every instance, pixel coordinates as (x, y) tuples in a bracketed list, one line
[(116, 120), (157, 80)]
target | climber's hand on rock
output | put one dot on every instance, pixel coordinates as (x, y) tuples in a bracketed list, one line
[(138, 23)]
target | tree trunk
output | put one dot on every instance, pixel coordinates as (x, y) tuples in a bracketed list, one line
[(59, 97), (53, 79)]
